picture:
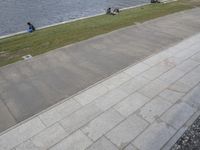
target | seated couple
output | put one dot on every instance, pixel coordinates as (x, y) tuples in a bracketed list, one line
[(155, 1), (109, 11)]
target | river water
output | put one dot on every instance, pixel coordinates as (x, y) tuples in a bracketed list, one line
[(15, 13)]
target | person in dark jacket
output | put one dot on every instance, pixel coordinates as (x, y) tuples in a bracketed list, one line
[(31, 28), (108, 11)]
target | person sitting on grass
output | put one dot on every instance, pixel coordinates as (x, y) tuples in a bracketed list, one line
[(108, 11), (114, 12), (155, 1), (31, 28)]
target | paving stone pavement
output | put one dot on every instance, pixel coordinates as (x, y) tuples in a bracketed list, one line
[(135, 109), (29, 87)]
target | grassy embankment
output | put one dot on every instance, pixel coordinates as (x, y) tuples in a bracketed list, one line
[(41, 41)]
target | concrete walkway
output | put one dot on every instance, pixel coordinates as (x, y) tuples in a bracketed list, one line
[(28, 87), (147, 106)]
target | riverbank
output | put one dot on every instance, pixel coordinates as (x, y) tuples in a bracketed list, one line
[(12, 49), (68, 21)]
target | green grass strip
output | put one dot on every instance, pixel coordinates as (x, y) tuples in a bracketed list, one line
[(41, 41)]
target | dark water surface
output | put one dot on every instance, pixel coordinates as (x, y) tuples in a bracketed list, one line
[(15, 13)]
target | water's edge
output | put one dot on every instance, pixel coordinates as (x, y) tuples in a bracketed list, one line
[(68, 21)]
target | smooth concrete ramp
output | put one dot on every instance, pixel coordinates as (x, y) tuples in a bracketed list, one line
[(28, 87)]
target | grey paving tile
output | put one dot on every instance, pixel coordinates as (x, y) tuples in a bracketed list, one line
[(187, 82), (196, 57), (193, 97), (192, 78), (131, 104), (76, 141), (116, 80), (154, 137), (20, 134), (187, 65), (60, 111), (182, 55), (179, 87), (197, 69), (172, 75), (130, 147), (28, 145), (137, 69), (102, 144), (178, 115), (157, 70), (110, 99), (133, 85), (175, 60), (190, 51), (156, 59), (171, 96), (154, 109), (80, 118), (126, 131), (49, 137), (102, 124), (175, 49), (44, 139), (154, 88), (91, 94)]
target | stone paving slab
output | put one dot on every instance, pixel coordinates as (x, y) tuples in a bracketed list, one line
[(154, 137), (56, 114), (131, 104), (79, 118), (102, 144), (126, 131), (154, 109), (193, 97), (29, 87), (76, 141), (44, 139), (126, 111), (102, 124), (178, 115), (21, 133)]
